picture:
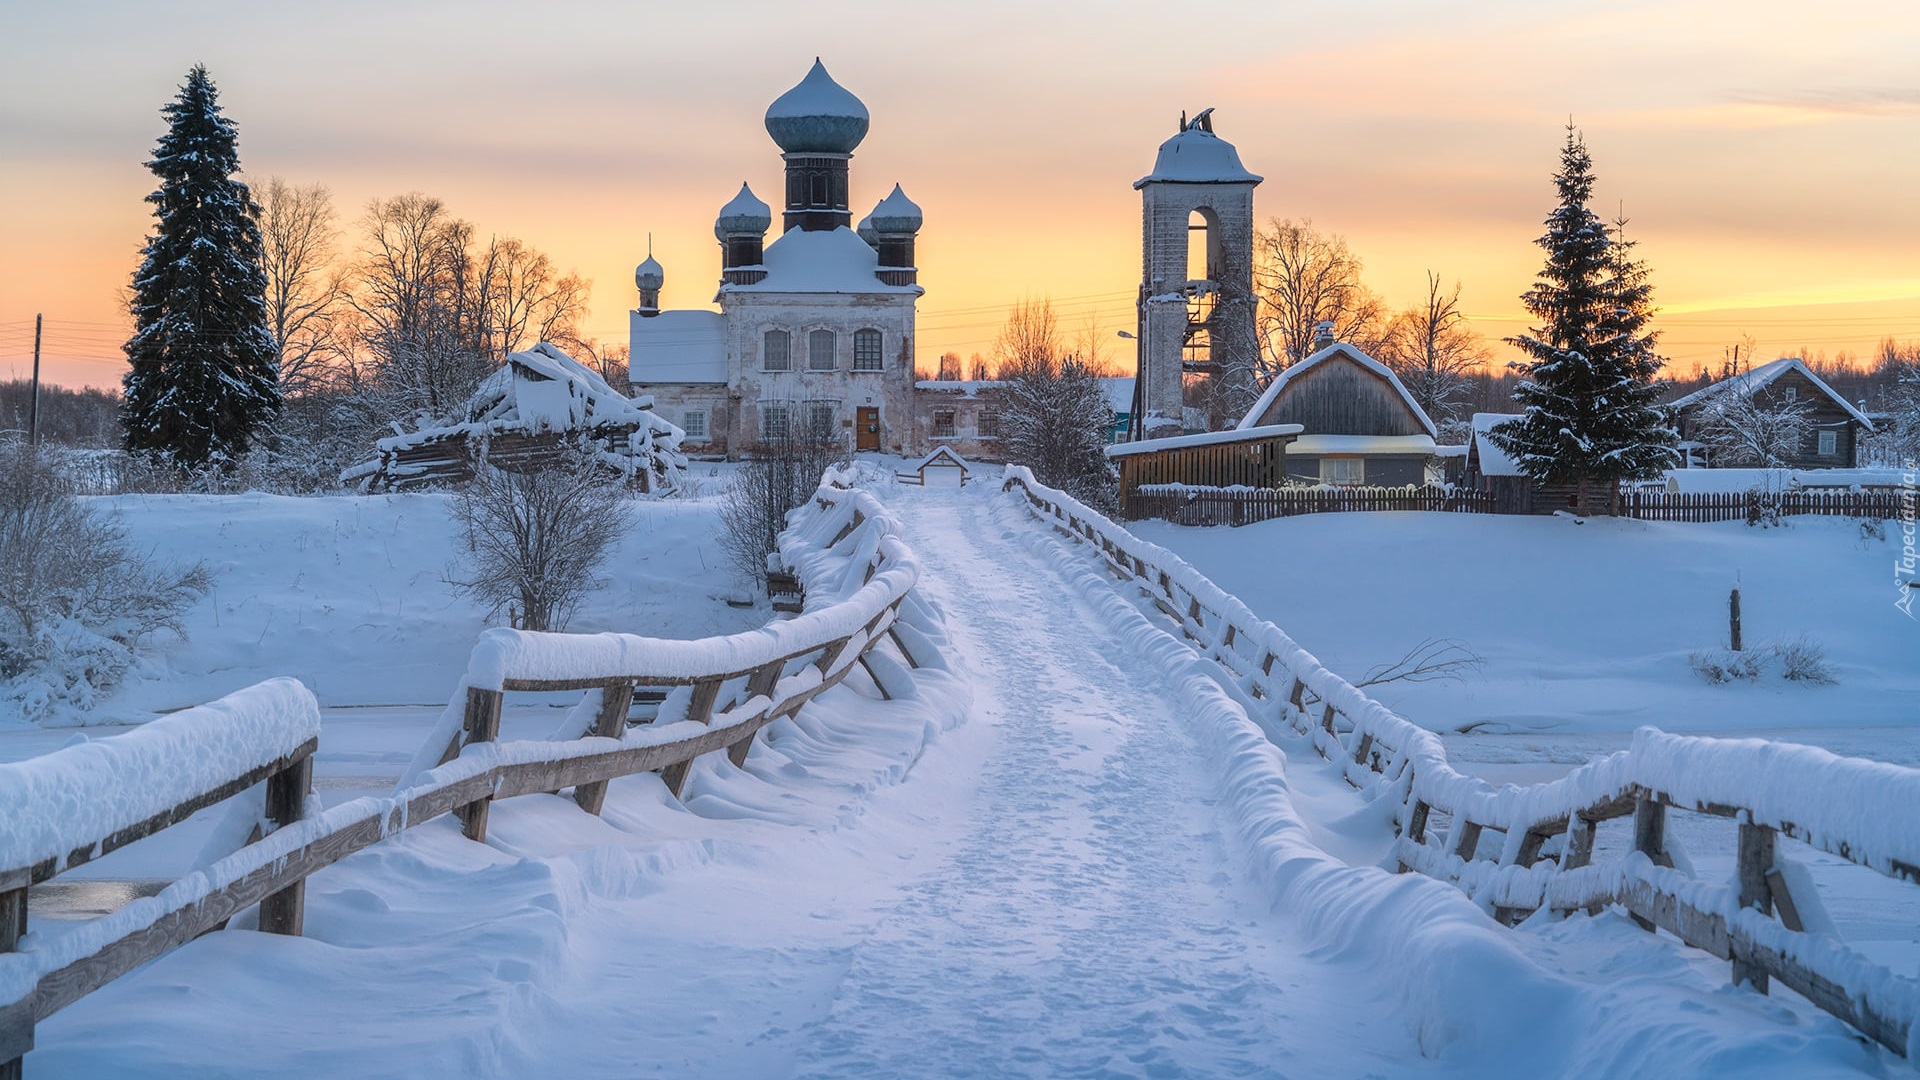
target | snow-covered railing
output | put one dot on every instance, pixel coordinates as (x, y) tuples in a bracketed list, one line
[(81, 802), (844, 549), (1863, 811)]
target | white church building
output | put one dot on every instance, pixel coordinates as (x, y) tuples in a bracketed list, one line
[(815, 330)]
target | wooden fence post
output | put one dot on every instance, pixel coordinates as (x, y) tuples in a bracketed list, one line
[(16, 1021), (1579, 850), (699, 709), (482, 725), (285, 912), (1650, 837), (609, 724), (759, 684), (1756, 859)]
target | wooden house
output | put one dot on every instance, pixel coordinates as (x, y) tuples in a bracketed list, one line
[(1837, 425), (1358, 424), (535, 408), (1248, 458)]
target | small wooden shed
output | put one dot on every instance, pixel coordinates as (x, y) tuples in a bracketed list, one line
[(942, 468), (1251, 458)]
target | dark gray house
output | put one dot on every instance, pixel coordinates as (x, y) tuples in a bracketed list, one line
[(1833, 442), (1358, 423)]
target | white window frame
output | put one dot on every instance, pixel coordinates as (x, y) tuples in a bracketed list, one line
[(815, 354), (1829, 443), (766, 350), (694, 423), (877, 361), (1343, 471), (1793, 394)]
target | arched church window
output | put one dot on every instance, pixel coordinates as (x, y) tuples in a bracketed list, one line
[(866, 350), (820, 351), (1203, 246), (776, 351)]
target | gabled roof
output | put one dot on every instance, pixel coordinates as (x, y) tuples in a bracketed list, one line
[(940, 452), (1493, 460), (1750, 382), (1340, 349)]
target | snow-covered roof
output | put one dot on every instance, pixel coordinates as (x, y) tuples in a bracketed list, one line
[(541, 389), (678, 347), (1734, 481), (940, 452), (1751, 381), (817, 115), (1493, 460), (1119, 391), (822, 261), (649, 274), (1205, 438), (896, 213), (963, 387), (1338, 348), (1363, 444), (1196, 156)]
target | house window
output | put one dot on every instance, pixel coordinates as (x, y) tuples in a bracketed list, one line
[(774, 418), (820, 419), (1793, 394), (820, 351), (866, 350), (694, 423), (1343, 470), (987, 424), (1829, 443), (776, 351), (943, 423)]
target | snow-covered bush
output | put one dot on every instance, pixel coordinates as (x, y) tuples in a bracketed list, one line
[(535, 539), (1799, 660), (776, 476), (75, 599)]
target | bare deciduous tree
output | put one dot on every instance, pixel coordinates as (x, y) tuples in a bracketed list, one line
[(1436, 354), (1301, 278), (535, 539), (415, 293), (523, 300), (1741, 430), (305, 285), (777, 474)]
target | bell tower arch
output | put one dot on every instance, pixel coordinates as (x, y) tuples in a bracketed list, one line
[(1196, 217)]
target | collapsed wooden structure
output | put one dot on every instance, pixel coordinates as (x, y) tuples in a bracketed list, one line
[(540, 406)]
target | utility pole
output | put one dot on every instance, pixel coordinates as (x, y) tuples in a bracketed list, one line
[(33, 413)]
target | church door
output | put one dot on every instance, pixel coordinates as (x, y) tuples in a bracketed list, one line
[(866, 427)]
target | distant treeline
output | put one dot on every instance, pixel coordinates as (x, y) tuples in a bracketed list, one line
[(89, 418)]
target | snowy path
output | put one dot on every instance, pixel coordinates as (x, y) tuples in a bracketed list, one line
[(1091, 923)]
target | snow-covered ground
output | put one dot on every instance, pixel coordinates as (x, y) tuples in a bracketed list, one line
[(1585, 628), (1072, 856)]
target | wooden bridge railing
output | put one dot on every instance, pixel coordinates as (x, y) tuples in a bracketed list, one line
[(1863, 811), (844, 549)]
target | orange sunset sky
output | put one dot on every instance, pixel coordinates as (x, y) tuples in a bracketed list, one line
[(1767, 153)]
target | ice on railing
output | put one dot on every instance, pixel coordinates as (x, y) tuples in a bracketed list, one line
[(80, 795)]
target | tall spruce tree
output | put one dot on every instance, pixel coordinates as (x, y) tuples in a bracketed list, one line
[(203, 375), (1589, 394)]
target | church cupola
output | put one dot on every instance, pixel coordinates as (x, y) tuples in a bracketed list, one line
[(895, 222), (741, 229), (817, 124), (649, 277)]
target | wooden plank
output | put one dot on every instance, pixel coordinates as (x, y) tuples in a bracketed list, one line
[(1579, 853), (1466, 838), (759, 684), (171, 816), (1650, 839), (609, 723), (16, 1036), (1783, 901), (1416, 829), (482, 724), (285, 911)]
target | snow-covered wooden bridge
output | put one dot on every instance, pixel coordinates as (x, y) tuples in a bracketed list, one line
[(1131, 861)]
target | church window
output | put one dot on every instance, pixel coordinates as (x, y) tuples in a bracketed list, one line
[(987, 424), (775, 351), (866, 350), (694, 423), (820, 417), (943, 423), (774, 419), (820, 351)]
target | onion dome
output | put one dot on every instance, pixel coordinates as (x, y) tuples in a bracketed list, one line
[(896, 214), (744, 213), (867, 232), (818, 116), (649, 275)]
